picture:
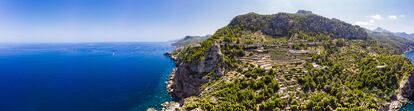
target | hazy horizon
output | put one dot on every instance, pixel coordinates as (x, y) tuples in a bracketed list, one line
[(73, 21)]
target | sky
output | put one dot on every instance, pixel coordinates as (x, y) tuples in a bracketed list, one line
[(164, 20)]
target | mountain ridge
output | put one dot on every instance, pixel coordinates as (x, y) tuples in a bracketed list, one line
[(379, 29), (285, 24), (188, 40), (399, 34)]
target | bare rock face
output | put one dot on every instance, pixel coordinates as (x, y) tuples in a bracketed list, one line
[(408, 88), (186, 80)]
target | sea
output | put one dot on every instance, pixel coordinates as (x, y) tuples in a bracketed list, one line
[(87, 76), (83, 76)]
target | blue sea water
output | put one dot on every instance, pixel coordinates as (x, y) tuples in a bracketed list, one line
[(409, 107), (83, 76)]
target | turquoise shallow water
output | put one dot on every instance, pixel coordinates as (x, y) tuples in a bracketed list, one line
[(409, 107), (83, 77)]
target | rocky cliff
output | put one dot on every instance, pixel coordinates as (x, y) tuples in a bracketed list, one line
[(186, 80), (407, 89)]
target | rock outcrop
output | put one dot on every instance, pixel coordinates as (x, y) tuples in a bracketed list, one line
[(186, 80), (407, 90), (170, 106)]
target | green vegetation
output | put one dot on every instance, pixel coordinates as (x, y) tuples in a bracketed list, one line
[(310, 70), (365, 83), (286, 24), (258, 88), (226, 34)]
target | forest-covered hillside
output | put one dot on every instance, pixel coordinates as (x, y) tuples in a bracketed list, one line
[(292, 61)]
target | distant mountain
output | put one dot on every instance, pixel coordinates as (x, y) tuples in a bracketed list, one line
[(379, 29), (400, 44), (391, 39), (404, 35), (399, 34), (187, 40)]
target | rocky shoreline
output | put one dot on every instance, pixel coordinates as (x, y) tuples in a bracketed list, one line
[(170, 81), (169, 54), (171, 77), (404, 93), (169, 105)]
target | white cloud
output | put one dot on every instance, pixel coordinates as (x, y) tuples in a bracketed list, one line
[(393, 17), (377, 20), (273, 5), (376, 17), (370, 21)]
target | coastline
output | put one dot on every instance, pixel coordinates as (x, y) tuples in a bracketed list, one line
[(171, 77), (170, 81), (169, 105), (401, 100), (409, 50)]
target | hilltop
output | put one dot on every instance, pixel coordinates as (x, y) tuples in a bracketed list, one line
[(293, 61), (286, 24)]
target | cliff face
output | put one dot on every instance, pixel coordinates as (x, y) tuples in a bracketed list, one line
[(189, 76), (407, 90)]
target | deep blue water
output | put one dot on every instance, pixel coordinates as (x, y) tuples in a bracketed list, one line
[(83, 77), (409, 107)]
